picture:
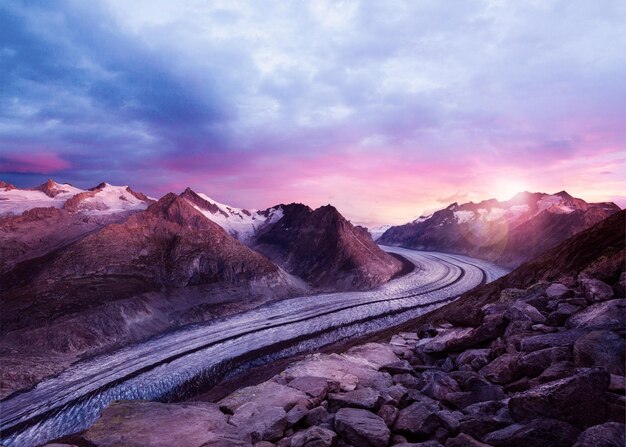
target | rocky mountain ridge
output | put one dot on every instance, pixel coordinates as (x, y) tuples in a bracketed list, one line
[(507, 233)]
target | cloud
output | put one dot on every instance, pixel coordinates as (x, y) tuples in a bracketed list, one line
[(369, 104)]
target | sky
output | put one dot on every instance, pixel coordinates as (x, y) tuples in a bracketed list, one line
[(383, 109)]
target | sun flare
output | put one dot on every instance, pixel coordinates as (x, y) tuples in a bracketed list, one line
[(505, 188)]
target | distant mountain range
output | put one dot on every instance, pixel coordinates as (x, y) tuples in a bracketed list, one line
[(506, 232)]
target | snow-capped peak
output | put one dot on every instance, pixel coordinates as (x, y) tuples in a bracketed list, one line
[(103, 199), (241, 223)]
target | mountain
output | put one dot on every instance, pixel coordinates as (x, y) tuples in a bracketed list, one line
[(240, 223), (325, 249), (319, 246), (102, 199), (168, 245), (36, 221), (508, 232)]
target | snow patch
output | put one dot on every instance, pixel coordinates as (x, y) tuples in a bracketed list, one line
[(112, 199), (241, 223), (377, 232), (16, 201), (463, 216)]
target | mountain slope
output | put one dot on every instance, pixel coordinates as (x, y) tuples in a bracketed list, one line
[(169, 245), (325, 249), (509, 232)]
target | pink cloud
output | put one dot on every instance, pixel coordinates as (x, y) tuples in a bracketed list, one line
[(41, 162)]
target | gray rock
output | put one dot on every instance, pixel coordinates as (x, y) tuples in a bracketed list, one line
[(267, 393), (579, 400), (317, 416), (361, 428), (407, 381), (476, 358), (438, 384), (558, 290), (611, 434), (395, 394), (534, 363), (556, 371), (543, 341), (366, 398), (601, 348), (417, 419), (262, 422), (538, 432), (610, 315), (296, 414), (595, 290), (316, 387), (314, 437), (504, 369), (519, 310), (561, 314), (389, 414)]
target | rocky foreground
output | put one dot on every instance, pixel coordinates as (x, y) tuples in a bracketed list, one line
[(542, 366)]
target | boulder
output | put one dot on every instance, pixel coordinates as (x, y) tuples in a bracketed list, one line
[(438, 384), (316, 387), (267, 393), (476, 358), (262, 422), (408, 381), (418, 419), (485, 417), (361, 428), (557, 290), (366, 398), (154, 424), (609, 315), (314, 437), (504, 369), (556, 371), (595, 290), (579, 400), (317, 416), (601, 348), (296, 414), (534, 363), (389, 414), (519, 310), (610, 434), (562, 312), (538, 432), (557, 339)]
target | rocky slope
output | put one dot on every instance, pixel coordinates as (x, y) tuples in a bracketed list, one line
[(325, 249), (508, 233), (541, 364)]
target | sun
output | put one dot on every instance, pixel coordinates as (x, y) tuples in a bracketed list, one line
[(506, 188)]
